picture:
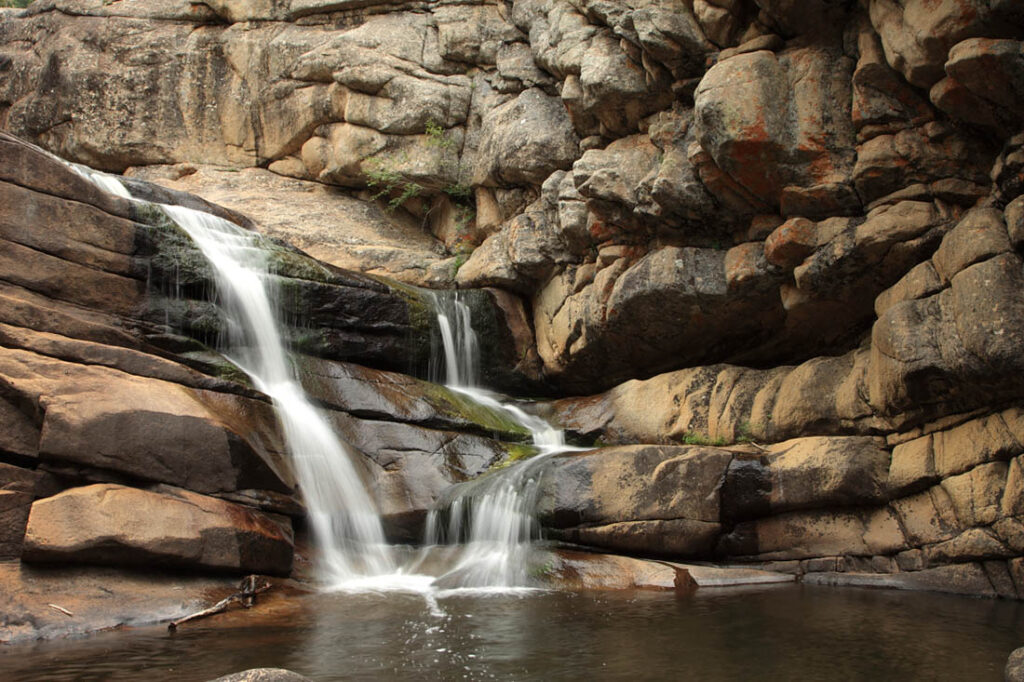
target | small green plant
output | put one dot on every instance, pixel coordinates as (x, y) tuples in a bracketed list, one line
[(745, 431), (15, 3), (459, 193), (437, 137), (386, 180), (458, 262), (541, 571), (382, 176), (694, 438), (516, 453), (464, 216)]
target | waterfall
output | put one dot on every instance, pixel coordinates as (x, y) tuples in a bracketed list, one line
[(347, 528), (495, 518), (104, 181), (344, 519)]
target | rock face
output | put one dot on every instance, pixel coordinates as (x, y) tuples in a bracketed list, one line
[(165, 527), (792, 229), (622, 169), (809, 506)]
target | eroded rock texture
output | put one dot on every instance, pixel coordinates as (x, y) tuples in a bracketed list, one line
[(792, 223), (625, 168)]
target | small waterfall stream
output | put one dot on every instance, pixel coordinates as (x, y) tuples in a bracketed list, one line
[(495, 520)]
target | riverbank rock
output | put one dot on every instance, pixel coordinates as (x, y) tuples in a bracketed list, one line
[(168, 527), (936, 511), (567, 569), (97, 598), (263, 675)]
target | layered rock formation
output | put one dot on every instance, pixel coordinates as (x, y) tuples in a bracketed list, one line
[(795, 225), (129, 443)]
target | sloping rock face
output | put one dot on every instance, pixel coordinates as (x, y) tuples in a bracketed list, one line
[(107, 523), (792, 224)]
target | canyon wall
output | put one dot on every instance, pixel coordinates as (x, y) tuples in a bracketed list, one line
[(776, 245)]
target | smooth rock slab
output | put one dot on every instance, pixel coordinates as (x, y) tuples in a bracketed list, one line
[(146, 428), (168, 527), (100, 598), (1015, 666), (264, 675)]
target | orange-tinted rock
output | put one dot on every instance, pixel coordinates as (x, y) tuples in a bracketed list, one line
[(164, 527), (763, 119), (985, 84), (791, 242)]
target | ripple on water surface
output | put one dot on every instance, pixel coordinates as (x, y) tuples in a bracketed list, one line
[(783, 633)]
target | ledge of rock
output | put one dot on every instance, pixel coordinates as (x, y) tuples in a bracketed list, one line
[(114, 525)]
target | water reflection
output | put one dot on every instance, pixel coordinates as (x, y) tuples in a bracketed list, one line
[(782, 633)]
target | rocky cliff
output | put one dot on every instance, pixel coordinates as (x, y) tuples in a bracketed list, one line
[(776, 244)]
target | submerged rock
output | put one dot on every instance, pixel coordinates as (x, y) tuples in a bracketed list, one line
[(1015, 666), (264, 675)]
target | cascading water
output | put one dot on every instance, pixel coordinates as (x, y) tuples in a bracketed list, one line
[(495, 519), (345, 522)]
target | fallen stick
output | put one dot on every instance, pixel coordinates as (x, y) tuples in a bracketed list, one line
[(248, 590), (62, 610)]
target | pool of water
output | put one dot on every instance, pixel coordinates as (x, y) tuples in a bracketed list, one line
[(782, 633)]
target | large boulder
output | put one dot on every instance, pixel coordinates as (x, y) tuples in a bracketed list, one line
[(116, 525), (148, 429), (587, 317), (781, 127), (918, 34), (985, 84), (524, 141)]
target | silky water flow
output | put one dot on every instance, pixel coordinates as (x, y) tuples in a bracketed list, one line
[(493, 518)]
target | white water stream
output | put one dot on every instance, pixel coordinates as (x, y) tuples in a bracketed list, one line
[(495, 519), (347, 528), (345, 522)]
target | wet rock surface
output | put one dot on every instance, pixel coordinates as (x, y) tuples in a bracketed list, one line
[(263, 675)]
